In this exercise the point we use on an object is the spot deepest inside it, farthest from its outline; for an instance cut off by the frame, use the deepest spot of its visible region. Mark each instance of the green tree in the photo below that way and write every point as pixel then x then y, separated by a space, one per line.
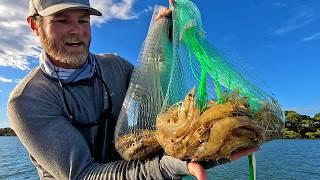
pixel 316 124
pixel 7 132
pixel 292 116
pixel 313 135
pixel 306 126
pixel 293 120
pixel 290 134
pixel 317 116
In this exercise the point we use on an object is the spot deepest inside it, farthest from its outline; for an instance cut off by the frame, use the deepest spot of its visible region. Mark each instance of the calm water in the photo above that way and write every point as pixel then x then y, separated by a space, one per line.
pixel 14 160
pixel 279 159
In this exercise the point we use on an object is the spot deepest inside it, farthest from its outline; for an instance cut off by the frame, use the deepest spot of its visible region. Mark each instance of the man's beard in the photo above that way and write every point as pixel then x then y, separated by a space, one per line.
pixel 58 53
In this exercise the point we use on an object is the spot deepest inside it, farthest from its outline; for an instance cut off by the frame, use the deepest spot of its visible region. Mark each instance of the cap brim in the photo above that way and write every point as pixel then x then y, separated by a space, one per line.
pixel 64 6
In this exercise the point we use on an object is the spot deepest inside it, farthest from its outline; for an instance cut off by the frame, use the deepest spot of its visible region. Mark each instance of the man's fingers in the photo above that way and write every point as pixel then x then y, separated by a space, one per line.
pixel 172 2
pixel 197 170
pixel 163 13
pixel 244 152
pixel 166 11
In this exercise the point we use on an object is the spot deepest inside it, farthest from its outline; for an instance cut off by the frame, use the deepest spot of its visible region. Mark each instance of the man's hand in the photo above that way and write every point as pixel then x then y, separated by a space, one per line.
pixel 166 11
pixel 244 152
pixel 199 172
pixel 163 13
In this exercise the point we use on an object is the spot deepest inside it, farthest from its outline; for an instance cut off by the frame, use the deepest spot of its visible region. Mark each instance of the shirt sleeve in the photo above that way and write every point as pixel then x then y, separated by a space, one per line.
pixel 62 151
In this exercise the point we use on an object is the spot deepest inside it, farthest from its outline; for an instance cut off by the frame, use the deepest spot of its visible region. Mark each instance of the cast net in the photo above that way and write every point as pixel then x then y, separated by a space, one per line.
pixel 190 100
pixel 135 130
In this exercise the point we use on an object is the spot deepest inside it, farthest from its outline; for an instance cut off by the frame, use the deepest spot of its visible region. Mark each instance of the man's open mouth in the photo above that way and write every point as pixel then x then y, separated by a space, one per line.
pixel 73 44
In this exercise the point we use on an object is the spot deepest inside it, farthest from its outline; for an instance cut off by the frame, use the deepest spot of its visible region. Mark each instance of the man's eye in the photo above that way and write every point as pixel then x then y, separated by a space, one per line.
pixel 60 20
pixel 82 21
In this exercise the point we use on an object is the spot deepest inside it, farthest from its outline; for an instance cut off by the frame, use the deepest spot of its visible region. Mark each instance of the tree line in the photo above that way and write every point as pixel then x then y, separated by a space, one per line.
pixel 301 126
pixel 7 132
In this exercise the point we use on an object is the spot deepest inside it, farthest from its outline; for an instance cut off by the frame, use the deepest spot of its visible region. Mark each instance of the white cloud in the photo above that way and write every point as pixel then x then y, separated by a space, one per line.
pixel 278 4
pixel 17 80
pixel 302 16
pixel 18 43
pixel 150 8
pixel 290 27
pixel 111 10
pixel 312 37
pixel 5 80
pixel 228 38
pixel 16 40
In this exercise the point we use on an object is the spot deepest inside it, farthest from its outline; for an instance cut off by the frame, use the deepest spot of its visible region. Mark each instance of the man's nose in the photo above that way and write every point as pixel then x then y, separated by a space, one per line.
pixel 75 27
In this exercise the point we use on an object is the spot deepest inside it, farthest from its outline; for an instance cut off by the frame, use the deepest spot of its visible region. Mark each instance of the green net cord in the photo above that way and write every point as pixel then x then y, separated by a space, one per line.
pixel 252 167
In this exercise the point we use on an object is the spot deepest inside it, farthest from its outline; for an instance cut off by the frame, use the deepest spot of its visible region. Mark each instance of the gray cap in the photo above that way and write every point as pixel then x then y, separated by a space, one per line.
pixel 49 7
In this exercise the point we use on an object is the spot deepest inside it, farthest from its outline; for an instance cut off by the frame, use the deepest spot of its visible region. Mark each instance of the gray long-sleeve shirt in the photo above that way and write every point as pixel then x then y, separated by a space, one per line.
pixel 60 150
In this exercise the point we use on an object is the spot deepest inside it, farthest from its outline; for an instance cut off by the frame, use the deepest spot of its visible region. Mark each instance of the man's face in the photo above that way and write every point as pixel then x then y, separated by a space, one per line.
pixel 66 37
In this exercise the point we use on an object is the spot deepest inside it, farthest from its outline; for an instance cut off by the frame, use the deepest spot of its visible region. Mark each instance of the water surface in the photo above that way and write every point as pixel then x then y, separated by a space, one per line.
pixel 278 159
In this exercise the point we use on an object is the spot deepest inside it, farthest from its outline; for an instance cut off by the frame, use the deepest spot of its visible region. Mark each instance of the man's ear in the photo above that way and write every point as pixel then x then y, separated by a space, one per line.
pixel 33 25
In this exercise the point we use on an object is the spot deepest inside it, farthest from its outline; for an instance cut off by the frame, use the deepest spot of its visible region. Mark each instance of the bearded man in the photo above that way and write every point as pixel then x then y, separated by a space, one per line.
pixel 65 110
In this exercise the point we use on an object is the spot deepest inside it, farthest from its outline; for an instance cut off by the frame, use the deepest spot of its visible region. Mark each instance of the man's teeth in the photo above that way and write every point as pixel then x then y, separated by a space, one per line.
pixel 73 43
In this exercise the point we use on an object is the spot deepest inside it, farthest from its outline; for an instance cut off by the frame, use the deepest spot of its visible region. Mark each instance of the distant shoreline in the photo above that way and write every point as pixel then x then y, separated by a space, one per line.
pixel 7 132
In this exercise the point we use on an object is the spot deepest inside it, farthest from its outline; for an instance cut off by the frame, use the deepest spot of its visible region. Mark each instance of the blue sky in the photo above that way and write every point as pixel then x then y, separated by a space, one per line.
pixel 278 42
